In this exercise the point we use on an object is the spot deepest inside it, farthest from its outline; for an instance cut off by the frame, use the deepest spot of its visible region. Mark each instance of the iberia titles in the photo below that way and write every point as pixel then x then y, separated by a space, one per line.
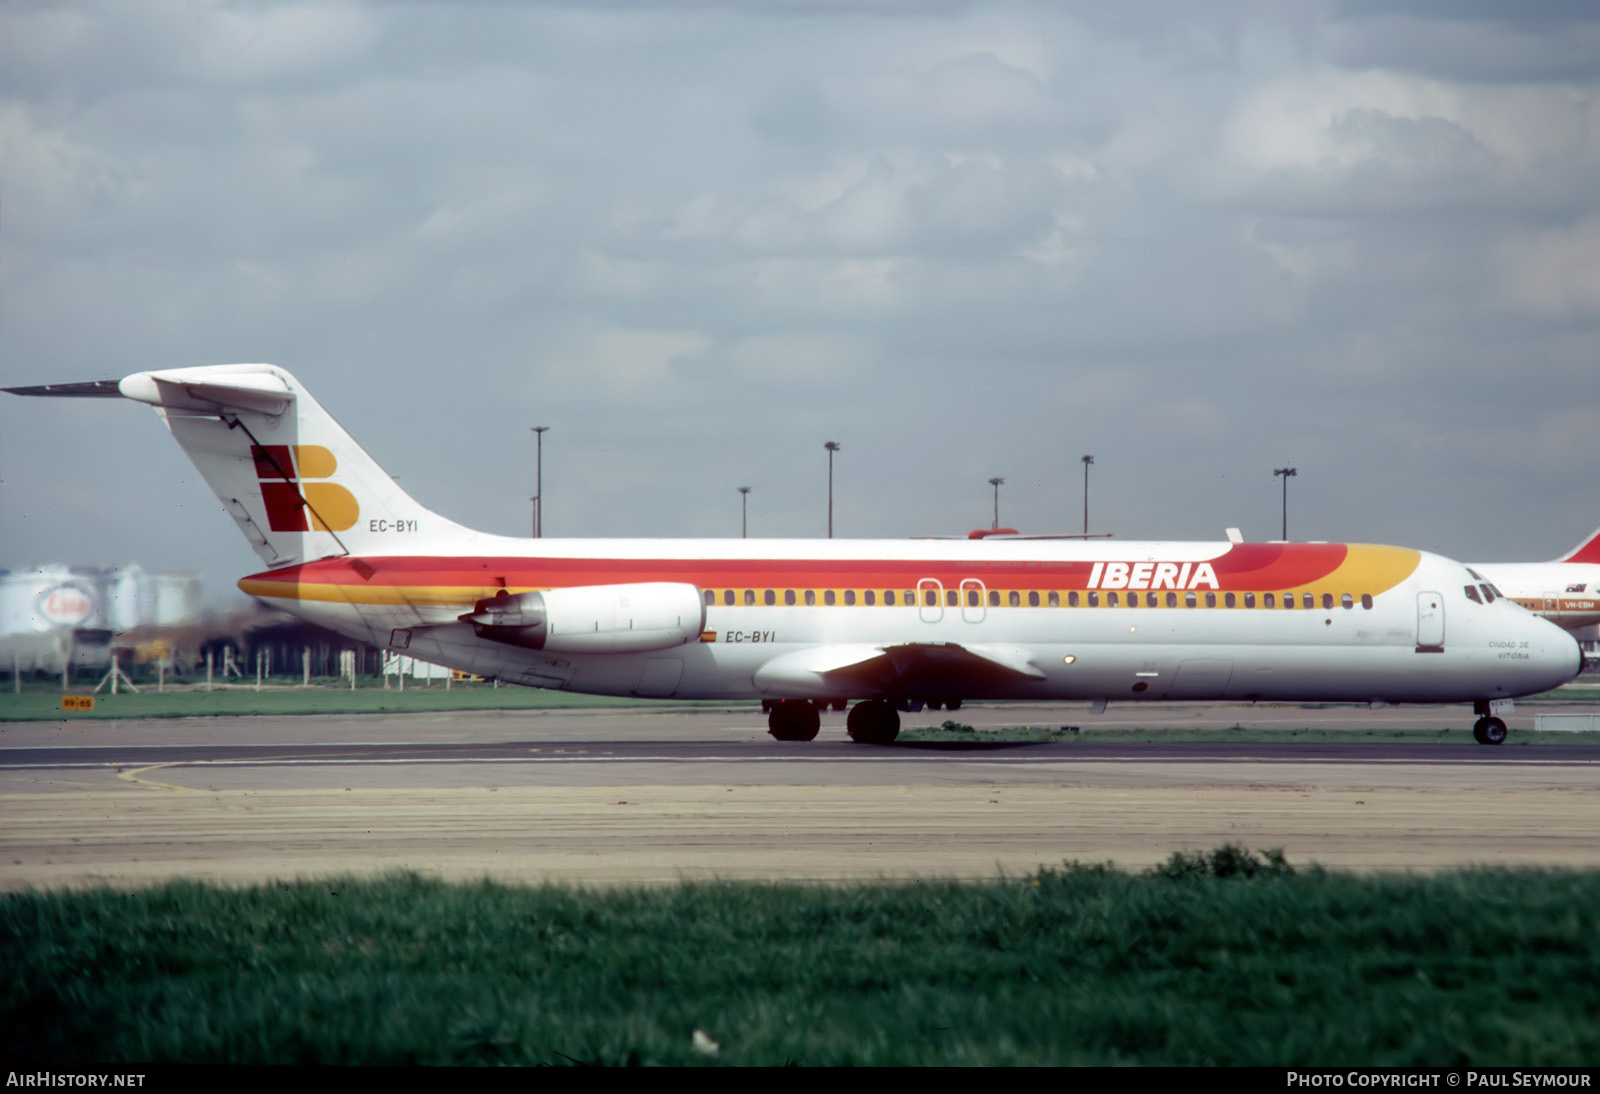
pixel 1152 575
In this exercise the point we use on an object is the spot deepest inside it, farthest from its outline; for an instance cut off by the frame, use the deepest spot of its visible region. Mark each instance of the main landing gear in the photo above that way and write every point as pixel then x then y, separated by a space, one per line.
pixel 794 720
pixel 1489 731
pixel 872 721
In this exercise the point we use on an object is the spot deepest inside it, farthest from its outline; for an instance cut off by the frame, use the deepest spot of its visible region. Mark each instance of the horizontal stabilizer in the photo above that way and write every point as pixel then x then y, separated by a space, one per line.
pixel 255 388
pixel 88 389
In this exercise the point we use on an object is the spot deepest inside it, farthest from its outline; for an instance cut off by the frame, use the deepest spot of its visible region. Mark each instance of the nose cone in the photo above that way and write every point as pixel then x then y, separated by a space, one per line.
pixel 1555 658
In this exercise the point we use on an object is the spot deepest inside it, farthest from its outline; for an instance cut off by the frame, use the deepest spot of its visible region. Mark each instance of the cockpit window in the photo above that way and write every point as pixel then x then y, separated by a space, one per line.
pixel 1472 594
pixel 1476 576
pixel 1488 592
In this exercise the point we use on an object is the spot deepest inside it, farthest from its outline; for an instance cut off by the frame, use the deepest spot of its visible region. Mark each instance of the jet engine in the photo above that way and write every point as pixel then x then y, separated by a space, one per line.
pixel 593 618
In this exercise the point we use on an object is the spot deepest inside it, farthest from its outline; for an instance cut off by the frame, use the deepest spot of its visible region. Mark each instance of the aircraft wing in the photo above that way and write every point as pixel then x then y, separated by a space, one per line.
pixel 910 668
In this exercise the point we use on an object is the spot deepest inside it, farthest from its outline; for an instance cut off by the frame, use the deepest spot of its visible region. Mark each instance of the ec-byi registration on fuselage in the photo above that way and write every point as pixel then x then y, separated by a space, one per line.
pixel 889 625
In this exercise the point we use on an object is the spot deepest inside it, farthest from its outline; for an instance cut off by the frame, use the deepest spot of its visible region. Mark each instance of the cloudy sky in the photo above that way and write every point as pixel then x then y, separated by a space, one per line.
pixel 699 239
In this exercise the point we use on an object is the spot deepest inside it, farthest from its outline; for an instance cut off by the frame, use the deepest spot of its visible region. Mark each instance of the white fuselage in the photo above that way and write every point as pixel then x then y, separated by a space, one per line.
pixel 1415 639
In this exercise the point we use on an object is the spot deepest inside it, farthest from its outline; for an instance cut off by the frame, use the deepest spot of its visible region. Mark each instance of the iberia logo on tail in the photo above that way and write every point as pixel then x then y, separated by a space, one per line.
pixel 295 501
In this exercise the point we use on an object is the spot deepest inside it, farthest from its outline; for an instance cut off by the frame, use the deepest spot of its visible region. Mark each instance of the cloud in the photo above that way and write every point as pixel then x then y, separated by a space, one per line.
pixel 1554 273
pixel 1199 237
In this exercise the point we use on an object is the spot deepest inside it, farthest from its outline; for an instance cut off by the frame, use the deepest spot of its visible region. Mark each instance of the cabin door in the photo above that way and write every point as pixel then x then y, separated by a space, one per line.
pixel 1430 623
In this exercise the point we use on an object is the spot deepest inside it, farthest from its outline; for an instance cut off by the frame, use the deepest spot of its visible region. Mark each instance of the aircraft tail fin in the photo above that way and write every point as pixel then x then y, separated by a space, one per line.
pixel 1587 551
pixel 294 481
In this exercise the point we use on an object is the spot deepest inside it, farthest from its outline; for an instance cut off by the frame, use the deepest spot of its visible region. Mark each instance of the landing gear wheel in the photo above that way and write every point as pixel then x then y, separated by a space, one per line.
pixel 794 720
pixel 873 722
pixel 935 704
pixel 952 704
pixel 1489 731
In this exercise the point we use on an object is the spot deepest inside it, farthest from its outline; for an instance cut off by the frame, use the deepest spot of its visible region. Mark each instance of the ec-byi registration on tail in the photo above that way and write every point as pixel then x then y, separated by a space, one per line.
pixel 807 624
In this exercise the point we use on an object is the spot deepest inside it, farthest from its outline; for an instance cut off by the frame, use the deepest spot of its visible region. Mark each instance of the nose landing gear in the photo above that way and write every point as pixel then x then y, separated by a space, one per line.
pixel 1489 731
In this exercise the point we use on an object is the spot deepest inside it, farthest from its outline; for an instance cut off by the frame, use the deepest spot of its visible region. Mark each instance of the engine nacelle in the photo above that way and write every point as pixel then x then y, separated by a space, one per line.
pixel 655 615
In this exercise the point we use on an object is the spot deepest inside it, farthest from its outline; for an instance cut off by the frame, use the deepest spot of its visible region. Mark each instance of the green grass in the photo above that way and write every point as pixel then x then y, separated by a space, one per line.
pixel 1225 958
pixel 45 705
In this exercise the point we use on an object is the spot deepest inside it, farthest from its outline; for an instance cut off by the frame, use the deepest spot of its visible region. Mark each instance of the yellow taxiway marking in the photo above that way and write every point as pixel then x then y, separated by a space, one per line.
pixel 133 776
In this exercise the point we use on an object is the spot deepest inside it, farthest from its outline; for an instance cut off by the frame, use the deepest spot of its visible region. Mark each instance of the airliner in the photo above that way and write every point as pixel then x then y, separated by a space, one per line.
pixel 891 626
pixel 1565 591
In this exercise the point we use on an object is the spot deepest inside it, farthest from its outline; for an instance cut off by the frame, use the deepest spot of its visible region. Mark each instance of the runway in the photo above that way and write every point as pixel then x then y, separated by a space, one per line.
pixel 646 797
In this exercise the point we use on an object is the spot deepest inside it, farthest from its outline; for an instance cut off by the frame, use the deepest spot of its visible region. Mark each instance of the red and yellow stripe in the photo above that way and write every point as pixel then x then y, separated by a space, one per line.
pixel 422 580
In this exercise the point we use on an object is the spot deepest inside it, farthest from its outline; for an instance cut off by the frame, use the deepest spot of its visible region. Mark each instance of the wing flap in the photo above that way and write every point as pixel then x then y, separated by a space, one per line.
pixel 860 670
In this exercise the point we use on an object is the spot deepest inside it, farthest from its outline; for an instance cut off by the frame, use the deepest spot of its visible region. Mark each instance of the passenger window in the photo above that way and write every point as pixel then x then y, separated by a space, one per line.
pixel 1308 601
pixel 909 599
pixel 972 598
pixel 1190 600
pixel 1150 600
pixel 888 597
pixel 1327 601
pixel 769 597
pixel 1033 599
pixel 1229 602
pixel 1014 599
pixel 1072 599
pixel 811 598
pixel 1054 599
pixel 788 596
pixel 711 599
pixel 750 597
pixel 1094 600
pixel 994 599
pixel 1366 600
pixel 727 596
pixel 850 598
pixel 1288 600
pixel 1249 600
pixel 1111 600
pixel 950 598
pixel 1346 600
pixel 1268 600
pixel 930 598
pixel 871 598
pixel 1211 600
pixel 828 598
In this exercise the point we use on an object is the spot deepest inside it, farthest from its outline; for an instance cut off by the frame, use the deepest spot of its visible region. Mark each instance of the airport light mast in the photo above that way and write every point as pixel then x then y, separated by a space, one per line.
pixel 1087 460
pixel 996 483
pixel 832 447
pixel 744 512
pixel 1285 473
pixel 538 488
